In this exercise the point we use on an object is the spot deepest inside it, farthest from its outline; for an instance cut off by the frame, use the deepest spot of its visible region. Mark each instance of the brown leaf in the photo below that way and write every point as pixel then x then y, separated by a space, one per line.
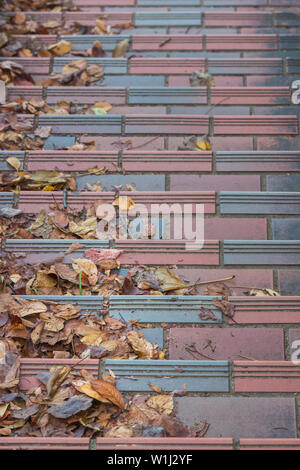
pixel 56 378
pixel 121 48
pixel 61 48
pixel 164 404
pixel 109 392
pixel 87 267
pixel 14 162
pixel 264 293
pixel 143 348
pixel 19 18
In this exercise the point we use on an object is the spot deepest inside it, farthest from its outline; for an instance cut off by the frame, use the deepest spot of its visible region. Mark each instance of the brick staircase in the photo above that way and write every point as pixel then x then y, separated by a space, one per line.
pixel 241 379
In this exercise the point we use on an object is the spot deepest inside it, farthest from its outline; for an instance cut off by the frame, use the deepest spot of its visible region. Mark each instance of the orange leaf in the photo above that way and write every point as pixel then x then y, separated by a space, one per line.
pixel 109 392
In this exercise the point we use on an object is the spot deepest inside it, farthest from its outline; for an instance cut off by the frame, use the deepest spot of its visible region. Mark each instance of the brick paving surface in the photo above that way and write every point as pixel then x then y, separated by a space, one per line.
pixel 241 379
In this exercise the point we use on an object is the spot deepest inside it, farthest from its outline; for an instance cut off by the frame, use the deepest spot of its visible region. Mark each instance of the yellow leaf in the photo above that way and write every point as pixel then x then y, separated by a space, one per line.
pixel 93 339
pixel 48 188
pixel 162 403
pixel 85 387
pixel 124 203
pixel 14 162
pixel 87 267
pixel 61 48
pixel 264 293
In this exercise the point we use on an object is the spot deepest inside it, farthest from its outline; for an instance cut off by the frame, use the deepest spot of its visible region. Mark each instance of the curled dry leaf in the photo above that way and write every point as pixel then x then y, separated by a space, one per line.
pixel 162 403
pixel 108 391
pixel 60 48
pixel 88 268
pixel 264 293
pixel 14 162
pixel 57 377
pixel 121 48
pixel 143 348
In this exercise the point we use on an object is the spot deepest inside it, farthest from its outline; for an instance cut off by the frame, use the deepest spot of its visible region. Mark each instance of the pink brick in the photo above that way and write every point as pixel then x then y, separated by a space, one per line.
pixel 170 443
pixel 218 143
pixel 257 42
pixel 256 125
pixel 178 66
pixel 104 3
pixel 138 110
pixel 278 143
pixel 263 310
pixel 252 18
pixel 167 161
pixel 144 143
pixel 271 376
pixel 157 252
pixel 270 444
pixel 86 95
pixel 32 65
pixel 228 344
pixel 250 278
pixel 220 80
pixel 31 202
pixel 71 161
pixel 215 182
pixel 89 18
pixel 44 443
pixel 169 124
pixel 235 229
pixel 31 367
pixel 267 80
pixel 253 95
pixel 166 42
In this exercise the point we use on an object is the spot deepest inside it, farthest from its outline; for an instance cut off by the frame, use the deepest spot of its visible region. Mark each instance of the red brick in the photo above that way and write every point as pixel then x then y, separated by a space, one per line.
pixel 289 281
pixel 31 367
pixel 235 229
pixel 156 42
pixel 65 160
pixel 86 95
pixel 28 92
pixel 228 344
pixel 220 80
pixel 215 182
pixel 44 443
pixel 167 161
pixel 271 376
pixel 256 125
pixel 278 143
pixel 32 65
pixel 243 277
pixel 263 310
pixel 240 42
pixel 253 417
pixel 269 444
pixel 254 95
pixel 178 66
pixel 170 124
pixel 109 143
pixel 157 252
pixel 89 18
pixel 104 3
pixel 169 443
pixel 136 109
pixel 218 143
pixel 31 202
pixel 255 18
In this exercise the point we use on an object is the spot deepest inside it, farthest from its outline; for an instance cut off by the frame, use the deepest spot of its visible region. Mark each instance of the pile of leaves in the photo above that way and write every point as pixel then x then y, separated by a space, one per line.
pixel 76 73
pixel 96 273
pixel 72 402
pixel 34 328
